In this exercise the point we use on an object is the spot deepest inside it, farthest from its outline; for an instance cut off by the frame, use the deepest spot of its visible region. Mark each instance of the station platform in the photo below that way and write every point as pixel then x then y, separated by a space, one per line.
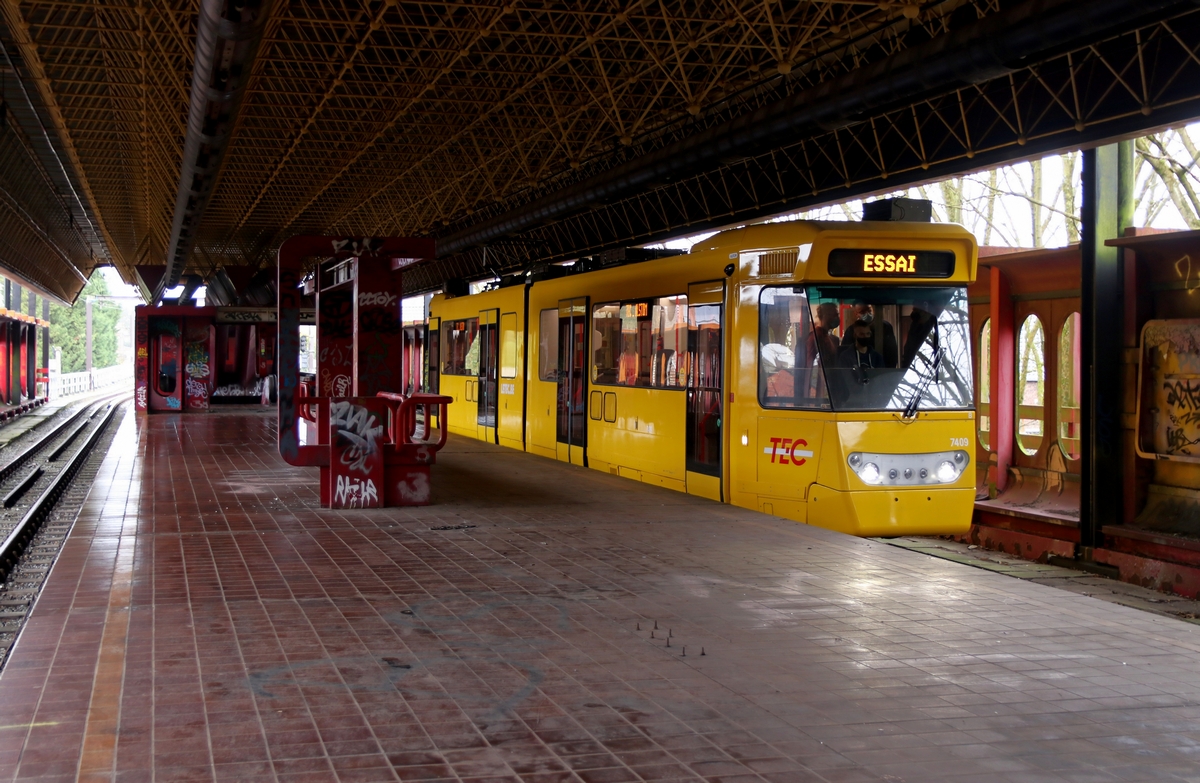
pixel 208 621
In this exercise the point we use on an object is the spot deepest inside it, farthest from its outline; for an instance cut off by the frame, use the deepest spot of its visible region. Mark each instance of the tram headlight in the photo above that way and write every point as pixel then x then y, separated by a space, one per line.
pixel 947 472
pixel 869 473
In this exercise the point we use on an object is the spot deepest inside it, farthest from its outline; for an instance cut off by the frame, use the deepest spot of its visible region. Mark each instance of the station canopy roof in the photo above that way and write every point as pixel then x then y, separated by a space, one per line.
pixel 196 136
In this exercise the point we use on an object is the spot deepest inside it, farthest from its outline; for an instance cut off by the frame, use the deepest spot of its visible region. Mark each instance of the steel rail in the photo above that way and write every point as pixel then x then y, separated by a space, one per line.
pixel 14 464
pixel 15 544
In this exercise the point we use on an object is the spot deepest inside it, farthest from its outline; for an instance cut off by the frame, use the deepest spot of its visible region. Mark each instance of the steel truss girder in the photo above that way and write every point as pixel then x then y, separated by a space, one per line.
pixel 1141 80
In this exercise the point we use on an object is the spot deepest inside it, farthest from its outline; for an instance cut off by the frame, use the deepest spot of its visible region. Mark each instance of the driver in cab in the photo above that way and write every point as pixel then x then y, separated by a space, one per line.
pixel 857 353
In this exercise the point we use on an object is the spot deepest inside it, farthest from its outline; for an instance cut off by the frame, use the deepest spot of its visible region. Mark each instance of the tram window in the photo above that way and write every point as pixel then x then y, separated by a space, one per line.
pixel 460 347
pixel 789 364
pixel 1068 387
pixel 641 343
pixel 1031 385
pixel 548 345
pixel 901 348
pixel 508 345
pixel 985 384
pixel 606 343
pixel 669 358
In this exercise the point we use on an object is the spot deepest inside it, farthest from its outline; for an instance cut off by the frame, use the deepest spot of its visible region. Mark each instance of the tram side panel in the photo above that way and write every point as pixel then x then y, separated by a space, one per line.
pixel 612 356
pixel 481 349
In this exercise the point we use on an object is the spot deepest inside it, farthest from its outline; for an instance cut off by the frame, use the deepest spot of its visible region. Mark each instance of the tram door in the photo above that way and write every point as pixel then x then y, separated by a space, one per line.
pixel 705 411
pixel 431 378
pixel 572 364
pixel 487 388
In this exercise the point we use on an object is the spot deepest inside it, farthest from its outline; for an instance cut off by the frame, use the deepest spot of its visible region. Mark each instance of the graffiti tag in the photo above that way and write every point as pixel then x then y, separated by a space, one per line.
pixel 141 398
pixel 360 428
pixel 357 246
pixel 355 493
pixel 1182 395
pixel 376 299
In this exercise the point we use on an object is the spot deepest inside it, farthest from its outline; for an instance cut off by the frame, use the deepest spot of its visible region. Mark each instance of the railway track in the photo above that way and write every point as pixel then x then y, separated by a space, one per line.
pixel 44 478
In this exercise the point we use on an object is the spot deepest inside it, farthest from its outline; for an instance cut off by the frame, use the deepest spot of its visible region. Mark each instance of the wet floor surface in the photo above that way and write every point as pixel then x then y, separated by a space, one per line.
pixel 208 621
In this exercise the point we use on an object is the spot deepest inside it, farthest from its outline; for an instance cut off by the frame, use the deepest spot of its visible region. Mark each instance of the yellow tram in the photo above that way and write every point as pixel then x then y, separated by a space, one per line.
pixel 817 371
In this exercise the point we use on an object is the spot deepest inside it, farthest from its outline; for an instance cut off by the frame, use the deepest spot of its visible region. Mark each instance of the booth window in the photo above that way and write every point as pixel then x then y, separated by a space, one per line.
pixel 641 343
pixel 1031 385
pixel 460 347
pixel 548 345
pixel 985 384
pixel 1069 388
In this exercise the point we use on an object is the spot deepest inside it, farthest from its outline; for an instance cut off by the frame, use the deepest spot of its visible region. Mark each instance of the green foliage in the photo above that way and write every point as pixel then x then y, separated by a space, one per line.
pixel 68 328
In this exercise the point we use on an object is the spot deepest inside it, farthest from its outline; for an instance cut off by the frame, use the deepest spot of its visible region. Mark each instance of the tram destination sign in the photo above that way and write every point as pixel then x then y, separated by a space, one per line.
pixel 844 262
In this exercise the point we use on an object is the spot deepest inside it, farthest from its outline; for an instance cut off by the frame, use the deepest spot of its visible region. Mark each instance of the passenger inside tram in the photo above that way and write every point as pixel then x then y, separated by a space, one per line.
pixel 884 341
pixel 858 352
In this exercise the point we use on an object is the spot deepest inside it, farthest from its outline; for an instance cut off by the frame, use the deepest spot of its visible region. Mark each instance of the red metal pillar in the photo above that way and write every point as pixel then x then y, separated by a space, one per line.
pixel 5 358
pixel 335 340
pixel 141 371
pixel 378 336
pixel 1003 380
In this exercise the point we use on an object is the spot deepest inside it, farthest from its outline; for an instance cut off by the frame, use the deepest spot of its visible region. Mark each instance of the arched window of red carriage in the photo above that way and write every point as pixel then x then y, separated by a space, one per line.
pixel 1031 385
pixel 985 384
pixel 1069 388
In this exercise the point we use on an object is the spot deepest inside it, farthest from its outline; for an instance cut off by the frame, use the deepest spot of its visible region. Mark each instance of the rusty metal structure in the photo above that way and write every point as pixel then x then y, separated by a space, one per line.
pixel 196 137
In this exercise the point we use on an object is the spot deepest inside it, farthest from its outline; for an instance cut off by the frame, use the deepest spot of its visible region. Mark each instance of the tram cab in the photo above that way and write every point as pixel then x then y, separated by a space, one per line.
pixel 815 371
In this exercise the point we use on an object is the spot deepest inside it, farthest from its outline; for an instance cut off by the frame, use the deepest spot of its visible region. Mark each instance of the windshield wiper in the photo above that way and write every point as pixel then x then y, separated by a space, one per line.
pixel 914 404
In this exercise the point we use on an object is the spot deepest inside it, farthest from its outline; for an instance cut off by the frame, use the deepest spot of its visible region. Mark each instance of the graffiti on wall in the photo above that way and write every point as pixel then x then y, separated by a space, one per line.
pixel 353 492
pixel 358 430
pixel 141 333
pixel 1169 390
pixel 357 460
pixel 196 365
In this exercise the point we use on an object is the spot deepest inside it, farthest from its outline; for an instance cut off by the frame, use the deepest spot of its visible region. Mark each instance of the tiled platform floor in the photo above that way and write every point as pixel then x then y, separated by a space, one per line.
pixel 208 622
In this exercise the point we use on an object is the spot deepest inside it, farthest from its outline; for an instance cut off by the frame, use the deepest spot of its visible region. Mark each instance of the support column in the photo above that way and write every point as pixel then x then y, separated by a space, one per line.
pixel 46 335
pixel 31 352
pixel 378 335
pixel 6 348
pixel 15 345
pixel 1003 382
pixel 1100 403
pixel 87 357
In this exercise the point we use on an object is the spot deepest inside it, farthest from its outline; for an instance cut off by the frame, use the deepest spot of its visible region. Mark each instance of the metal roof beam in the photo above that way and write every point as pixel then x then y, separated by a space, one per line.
pixel 227 40
pixel 976 53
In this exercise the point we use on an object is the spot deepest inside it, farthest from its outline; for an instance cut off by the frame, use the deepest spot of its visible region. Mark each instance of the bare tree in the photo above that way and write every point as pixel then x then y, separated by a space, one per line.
pixel 952 198
pixel 1175 168
pixel 989 214
pixel 1070 207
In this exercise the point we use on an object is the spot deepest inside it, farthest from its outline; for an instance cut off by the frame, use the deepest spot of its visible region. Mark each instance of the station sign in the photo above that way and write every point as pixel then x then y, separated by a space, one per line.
pixel 845 262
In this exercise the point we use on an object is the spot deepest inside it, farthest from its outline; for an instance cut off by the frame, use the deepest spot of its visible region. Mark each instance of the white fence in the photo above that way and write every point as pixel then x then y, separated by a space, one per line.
pixel 68 384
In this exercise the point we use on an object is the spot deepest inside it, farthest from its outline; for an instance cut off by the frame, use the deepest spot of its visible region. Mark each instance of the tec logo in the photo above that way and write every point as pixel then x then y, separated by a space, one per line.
pixel 788 451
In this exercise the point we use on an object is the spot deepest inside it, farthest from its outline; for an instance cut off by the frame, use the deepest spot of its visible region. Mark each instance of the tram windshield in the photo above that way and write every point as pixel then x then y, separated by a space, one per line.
pixel 865 348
